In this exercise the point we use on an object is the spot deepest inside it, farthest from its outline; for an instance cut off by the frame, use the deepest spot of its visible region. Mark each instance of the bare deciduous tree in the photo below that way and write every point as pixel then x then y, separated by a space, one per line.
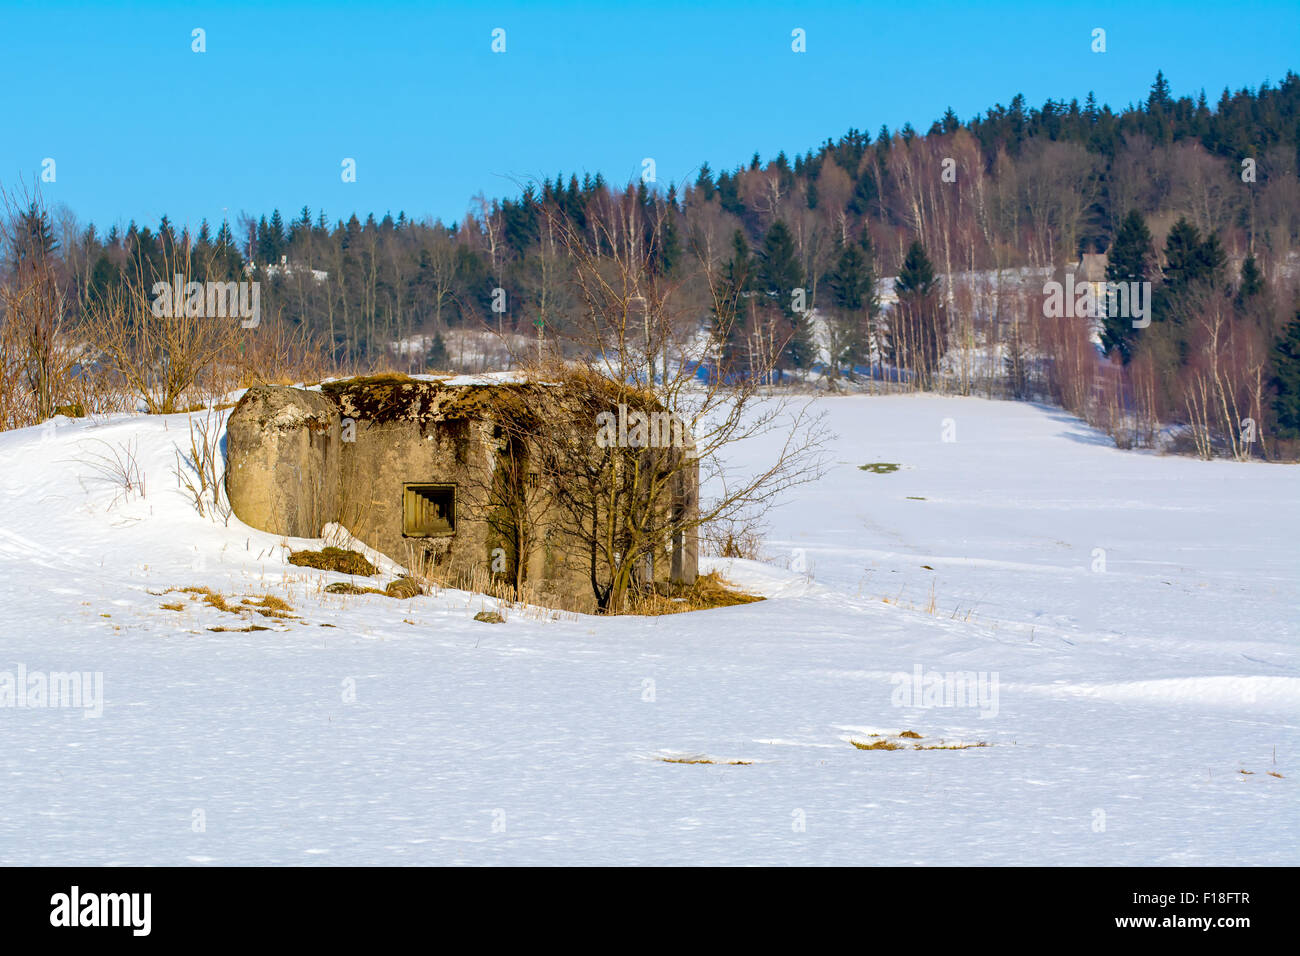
pixel 624 504
pixel 160 359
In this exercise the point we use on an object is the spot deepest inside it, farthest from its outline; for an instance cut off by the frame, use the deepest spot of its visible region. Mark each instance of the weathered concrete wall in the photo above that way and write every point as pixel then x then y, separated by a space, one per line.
pixel 386 456
pixel 282 449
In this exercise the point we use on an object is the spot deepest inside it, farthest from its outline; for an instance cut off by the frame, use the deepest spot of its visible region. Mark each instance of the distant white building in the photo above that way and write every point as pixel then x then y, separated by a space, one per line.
pixel 1091 270
pixel 286 269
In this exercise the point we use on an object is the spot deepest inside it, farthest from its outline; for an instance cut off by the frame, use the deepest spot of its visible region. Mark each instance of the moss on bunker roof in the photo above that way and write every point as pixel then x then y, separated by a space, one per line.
pixel 394 397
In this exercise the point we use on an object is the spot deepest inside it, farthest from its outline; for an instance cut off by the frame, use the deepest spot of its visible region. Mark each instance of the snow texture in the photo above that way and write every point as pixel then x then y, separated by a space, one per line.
pixel 1136 614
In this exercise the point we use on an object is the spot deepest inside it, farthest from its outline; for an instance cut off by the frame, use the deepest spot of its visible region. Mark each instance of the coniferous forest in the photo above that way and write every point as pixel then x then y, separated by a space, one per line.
pixel 894 259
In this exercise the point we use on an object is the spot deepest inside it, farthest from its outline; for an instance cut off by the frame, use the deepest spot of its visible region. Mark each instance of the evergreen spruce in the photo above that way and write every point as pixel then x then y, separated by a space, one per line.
pixel 779 274
pixel 1131 259
pixel 729 306
pixel 919 326
pixel 1183 258
pixel 436 357
pixel 1252 281
pixel 704 183
pixel 1286 380
pixel 855 304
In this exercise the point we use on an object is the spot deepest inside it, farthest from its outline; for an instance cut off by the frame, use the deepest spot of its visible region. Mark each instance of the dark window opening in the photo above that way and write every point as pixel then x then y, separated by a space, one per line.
pixel 428 510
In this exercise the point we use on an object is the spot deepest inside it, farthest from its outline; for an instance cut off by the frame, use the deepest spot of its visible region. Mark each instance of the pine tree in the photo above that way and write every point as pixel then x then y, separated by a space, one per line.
pixel 729 305
pixel 1182 269
pixel 917 273
pixel 265 246
pixel 779 274
pixel 1212 261
pixel 1131 259
pixel 729 194
pixel 166 237
pixel 1252 281
pixel 864 193
pixel 855 304
pixel 276 228
pixel 1183 259
pixel 436 358
pixel 1191 264
pixel 704 183
pixel 1286 380
pixel 1159 98
pixel 105 278
pixel 227 264
pixel 1159 109
pixel 34 236
pixel 918 329
pixel 666 249
pixel 739 270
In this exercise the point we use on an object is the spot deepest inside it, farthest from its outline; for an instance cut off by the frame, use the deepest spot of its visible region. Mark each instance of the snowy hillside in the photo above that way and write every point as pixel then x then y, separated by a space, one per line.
pixel 1131 621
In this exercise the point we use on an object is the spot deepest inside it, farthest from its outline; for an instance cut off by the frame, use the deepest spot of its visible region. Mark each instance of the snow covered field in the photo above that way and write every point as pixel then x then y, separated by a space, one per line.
pixel 1131 619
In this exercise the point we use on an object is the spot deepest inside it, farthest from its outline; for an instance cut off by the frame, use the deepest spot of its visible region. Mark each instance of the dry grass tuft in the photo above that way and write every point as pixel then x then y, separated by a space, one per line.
pixel 266 605
pixel 334 559
pixel 270 606
pixel 729 763
pixel 343 587
pixel 208 596
pixel 887 744
pixel 709 591
pixel 404 588
pixel 270 602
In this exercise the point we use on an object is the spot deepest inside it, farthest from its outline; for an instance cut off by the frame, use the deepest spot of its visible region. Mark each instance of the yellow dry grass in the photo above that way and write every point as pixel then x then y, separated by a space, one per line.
pixel 709 591
pixel 883 743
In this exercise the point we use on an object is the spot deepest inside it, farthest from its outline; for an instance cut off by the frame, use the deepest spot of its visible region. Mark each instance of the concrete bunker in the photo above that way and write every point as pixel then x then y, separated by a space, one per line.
pixel 478 483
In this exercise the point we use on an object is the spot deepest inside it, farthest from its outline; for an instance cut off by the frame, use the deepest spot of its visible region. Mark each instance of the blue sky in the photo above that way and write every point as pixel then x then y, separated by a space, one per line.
pixel 139 125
